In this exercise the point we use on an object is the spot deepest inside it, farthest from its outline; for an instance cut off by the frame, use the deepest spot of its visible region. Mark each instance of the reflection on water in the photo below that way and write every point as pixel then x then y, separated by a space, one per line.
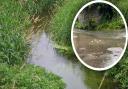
pixel 43 54
pixel 99 49
pixel 75 77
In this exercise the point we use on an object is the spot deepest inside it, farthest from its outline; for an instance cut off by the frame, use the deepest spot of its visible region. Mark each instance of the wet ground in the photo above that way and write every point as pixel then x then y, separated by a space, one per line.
pixel 99 49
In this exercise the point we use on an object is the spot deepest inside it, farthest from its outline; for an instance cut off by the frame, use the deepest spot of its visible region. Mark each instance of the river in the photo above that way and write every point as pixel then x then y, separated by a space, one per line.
pixel 99 48
pixel 73 74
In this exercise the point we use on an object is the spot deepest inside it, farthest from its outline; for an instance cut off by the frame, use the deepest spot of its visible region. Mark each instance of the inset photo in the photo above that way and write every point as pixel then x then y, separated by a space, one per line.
pixel 99 35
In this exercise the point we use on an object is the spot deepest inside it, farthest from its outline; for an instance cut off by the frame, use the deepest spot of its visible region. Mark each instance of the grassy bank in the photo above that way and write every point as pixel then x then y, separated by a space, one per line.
pixel 113 25
pixel 15 21
pixel 28 77
pixel 97 17
pixel 61 28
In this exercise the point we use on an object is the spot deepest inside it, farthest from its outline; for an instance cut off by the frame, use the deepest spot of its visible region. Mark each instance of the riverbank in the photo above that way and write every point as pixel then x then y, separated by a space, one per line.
pixel 16 23
pixel 73 73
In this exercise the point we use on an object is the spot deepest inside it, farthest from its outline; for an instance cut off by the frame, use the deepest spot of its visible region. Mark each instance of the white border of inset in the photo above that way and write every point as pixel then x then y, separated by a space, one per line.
pixel 90 3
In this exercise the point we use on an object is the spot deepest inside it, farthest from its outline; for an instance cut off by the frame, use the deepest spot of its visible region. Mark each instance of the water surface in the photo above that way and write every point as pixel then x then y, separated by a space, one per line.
pixel 76 77
pixel 99 48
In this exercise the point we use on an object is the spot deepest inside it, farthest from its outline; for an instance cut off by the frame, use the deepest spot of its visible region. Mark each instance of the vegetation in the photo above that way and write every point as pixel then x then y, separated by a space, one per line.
pixel 115 24
pixel 61 22
pixel 28 77
pixel 15 21
pixel 123 6
pixel 120 71
pixel 61 28
pixel 108 19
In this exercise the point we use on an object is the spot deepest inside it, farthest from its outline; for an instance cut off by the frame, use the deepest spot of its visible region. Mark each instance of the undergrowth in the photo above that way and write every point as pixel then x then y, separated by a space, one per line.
pixel 15 21
pixel 60 28
pixel 28 77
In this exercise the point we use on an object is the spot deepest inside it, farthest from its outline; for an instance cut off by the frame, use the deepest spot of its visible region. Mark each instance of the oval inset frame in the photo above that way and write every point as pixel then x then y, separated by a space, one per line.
pixel 110 66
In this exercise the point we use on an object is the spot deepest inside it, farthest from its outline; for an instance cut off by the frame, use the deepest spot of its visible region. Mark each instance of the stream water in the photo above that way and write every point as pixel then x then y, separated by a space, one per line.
pixel 99 48
pixel 74 75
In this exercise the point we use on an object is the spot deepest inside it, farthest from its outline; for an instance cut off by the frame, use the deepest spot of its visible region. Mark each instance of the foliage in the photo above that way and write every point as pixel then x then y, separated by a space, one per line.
pixel 62 21
pixel 61 28
pixel 14 20
pixel 37 6
pixel 91 25
pixel 109 20
pixel 14 23
pixel 28 77
pixel 115 24
pixel 123 6
pixel 80 26
pixel 120 71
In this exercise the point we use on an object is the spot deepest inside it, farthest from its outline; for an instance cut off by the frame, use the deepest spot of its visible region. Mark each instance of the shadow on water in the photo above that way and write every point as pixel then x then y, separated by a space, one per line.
pixel 74 75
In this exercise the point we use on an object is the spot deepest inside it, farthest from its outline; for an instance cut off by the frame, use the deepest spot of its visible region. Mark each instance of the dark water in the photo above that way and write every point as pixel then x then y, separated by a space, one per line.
pixel 75 76
pixel 99 49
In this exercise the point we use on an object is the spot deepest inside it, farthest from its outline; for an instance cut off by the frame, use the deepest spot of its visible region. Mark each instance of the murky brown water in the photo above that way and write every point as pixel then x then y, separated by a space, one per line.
pixel 99 49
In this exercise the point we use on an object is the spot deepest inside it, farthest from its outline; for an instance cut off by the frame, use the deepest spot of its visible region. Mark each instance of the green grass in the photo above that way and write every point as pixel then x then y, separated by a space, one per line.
pixel 15 21
pixel 62 21
pixel 115 24
pixel 60 27
pixel 39 6
pixel 120 71
pixel 28 77
pixel 123 6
